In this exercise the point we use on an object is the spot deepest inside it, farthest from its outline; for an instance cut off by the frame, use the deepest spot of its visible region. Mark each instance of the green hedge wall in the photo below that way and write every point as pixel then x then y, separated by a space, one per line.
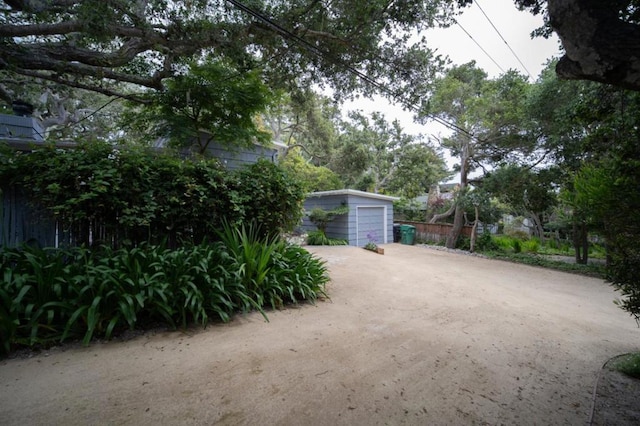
pixel 122 196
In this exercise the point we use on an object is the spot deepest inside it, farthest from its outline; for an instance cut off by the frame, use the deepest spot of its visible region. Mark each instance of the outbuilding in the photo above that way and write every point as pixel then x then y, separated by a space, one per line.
pixel 370 216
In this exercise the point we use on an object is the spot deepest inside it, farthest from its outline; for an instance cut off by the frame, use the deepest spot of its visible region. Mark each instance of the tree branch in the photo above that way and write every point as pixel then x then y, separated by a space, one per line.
pixel 599 45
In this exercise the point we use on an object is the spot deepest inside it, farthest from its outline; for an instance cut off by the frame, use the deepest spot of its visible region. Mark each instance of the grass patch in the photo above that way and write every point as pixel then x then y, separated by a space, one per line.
pixel 628 364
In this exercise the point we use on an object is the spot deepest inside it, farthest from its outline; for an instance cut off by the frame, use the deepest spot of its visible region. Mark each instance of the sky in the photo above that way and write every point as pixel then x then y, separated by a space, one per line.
pixel 514 26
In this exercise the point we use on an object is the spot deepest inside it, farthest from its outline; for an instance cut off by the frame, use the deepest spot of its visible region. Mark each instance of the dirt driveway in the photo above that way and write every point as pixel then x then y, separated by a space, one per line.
pixel 415 336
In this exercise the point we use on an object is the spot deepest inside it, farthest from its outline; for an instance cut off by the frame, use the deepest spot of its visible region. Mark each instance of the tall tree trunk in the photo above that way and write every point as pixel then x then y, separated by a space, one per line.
pixel 458 222
pixel 584 234
pixel 472 244
pixel 458 218
pixel 580 242
pixel 537 223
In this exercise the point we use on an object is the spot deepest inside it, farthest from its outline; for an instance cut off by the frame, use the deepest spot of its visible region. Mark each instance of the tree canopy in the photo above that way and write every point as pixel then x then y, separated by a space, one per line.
pixel 116 47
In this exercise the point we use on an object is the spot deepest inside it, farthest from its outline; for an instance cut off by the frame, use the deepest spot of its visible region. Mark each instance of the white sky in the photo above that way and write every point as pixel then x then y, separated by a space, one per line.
pixel 515 27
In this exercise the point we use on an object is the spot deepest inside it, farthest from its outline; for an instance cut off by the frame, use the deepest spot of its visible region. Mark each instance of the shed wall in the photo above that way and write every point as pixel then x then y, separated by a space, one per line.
pixel 347 226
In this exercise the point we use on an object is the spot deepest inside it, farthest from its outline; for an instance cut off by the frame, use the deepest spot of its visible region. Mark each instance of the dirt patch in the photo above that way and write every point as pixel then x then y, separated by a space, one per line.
pixel 414 336
pixel 616 398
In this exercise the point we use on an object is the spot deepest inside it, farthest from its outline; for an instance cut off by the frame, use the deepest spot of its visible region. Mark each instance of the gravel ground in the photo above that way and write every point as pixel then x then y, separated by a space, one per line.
pixel 414 336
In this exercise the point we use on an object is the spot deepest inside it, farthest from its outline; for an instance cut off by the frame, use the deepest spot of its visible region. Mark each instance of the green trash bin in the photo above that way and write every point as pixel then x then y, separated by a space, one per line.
pixel 407 234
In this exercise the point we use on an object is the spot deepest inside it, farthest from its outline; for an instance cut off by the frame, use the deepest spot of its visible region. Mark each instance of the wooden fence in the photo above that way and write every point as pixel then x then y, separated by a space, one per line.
pixel 20 223
pixel 434 232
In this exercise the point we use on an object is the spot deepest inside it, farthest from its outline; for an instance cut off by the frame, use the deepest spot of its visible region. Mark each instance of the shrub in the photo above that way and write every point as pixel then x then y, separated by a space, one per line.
pixel 485 242
pixel 516 245
pixel 503 242
pixel 318 238
pixel 531 246
pixel 114 196
pixel 270 197
pixel 463 243
pixel 628 364
pixel 49 296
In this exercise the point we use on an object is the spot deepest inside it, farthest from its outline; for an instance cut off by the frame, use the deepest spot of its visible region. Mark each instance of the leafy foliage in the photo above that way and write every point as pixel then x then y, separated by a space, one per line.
pixel 321 218
pixel 49 296
pixel 212 101
pixel 319 238
pixel 119 46
pixel 313 178
pixel 628 364
pixel 115 196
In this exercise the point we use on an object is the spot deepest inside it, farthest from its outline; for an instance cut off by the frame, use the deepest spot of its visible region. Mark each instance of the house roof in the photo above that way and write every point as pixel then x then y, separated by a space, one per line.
pixel 352 192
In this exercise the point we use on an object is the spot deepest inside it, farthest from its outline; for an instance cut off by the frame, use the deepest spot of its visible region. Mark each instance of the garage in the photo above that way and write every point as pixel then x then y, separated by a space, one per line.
pixel 370 215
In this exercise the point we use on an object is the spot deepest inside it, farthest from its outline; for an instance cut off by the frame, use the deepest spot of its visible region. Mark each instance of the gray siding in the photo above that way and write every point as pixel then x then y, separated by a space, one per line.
pixel 13 126
pixel 236 157
pixel 337 228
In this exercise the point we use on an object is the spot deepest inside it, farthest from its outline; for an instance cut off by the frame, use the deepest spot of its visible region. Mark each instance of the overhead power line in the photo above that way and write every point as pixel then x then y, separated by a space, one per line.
pixel 481 48
pixel 505 41
pixel 285 33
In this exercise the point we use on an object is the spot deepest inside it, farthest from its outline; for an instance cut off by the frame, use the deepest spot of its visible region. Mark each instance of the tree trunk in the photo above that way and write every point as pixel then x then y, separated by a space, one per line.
pixel 537 223
pixel 458 218
pixel 472 245
pixel 580 242
pixel 584 234
pixel 449 212
pixel 458 222
pixel 599 44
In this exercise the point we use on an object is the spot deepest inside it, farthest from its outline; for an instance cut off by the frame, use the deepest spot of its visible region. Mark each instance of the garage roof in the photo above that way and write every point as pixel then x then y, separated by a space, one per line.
pixel 353 192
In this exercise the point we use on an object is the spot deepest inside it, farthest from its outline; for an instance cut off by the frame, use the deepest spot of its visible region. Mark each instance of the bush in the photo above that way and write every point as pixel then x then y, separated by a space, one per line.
pixel 485 242
pixel 531 246
pixel 516 245
pixel 463 243
pixel 318 238
pixel 49 296
pixel 628 364
pixel 114 196
pixel 270 197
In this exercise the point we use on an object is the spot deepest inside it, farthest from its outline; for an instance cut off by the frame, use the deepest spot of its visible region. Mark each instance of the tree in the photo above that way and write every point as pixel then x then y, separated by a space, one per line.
pixel 487 115
pixel 600 39
pixel 528 192
pixel 117 47
pixel 210 102
pixel 384 158
pixel 313 178
pixel 306 120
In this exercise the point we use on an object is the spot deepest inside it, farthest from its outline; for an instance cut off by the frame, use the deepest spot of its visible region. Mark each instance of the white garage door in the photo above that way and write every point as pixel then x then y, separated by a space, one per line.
pixel 371 222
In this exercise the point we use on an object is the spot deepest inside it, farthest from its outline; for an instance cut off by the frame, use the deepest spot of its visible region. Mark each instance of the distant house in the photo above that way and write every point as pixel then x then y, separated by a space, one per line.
pixel 20 130
pixel 231 156
pixel 234 157
pixel 25 132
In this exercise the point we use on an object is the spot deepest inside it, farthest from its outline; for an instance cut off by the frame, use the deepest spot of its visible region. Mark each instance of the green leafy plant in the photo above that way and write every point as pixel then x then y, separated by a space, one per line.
pixel 318 238
pixel 321 218
pixel 628 364
pixel 531 246
pixel 102 195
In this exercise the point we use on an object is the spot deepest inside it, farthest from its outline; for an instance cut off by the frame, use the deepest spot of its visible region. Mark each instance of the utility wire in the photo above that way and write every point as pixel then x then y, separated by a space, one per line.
pixel 326 55
pixel 505 41
pixel 478 44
